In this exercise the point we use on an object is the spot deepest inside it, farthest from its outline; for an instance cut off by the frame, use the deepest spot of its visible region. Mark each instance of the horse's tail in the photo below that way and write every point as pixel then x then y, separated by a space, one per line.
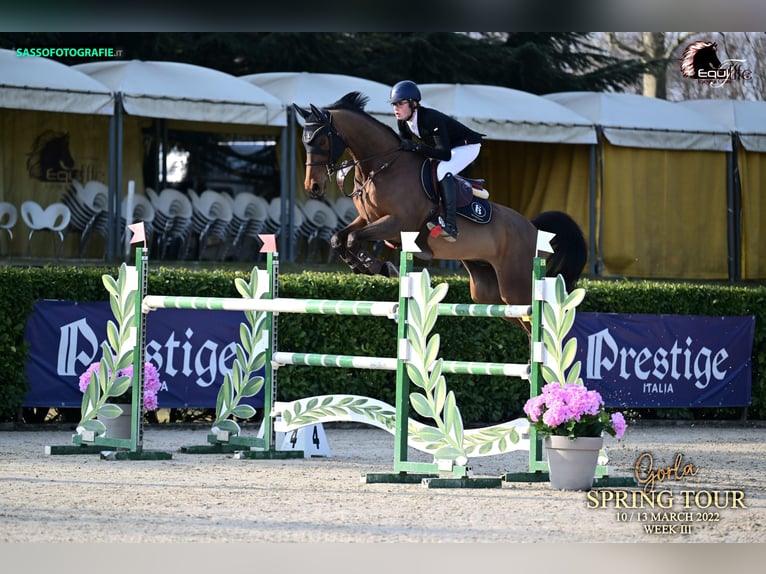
pixel 570 250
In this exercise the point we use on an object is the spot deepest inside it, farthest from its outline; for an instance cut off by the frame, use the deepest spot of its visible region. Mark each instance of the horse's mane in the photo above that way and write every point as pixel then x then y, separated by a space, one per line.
pixel 355 102
pixel 688 67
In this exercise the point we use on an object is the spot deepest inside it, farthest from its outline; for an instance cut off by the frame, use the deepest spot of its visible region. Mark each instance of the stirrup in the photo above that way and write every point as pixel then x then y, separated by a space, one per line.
pixel 443 230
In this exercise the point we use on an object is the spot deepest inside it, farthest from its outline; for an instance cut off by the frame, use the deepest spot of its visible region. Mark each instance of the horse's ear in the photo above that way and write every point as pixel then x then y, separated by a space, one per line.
pixel 318 113
pixel 302 111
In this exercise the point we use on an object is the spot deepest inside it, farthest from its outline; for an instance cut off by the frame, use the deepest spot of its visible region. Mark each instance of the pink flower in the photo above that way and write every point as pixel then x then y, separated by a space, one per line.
pixel 85 377
pixel 619 424
pixel 572 410
pixel 152 383
pixel 534 407
pixel 150 401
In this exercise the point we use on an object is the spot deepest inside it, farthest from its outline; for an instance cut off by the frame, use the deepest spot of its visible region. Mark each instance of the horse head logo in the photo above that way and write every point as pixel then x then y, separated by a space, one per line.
pixel 50 158
pixel 699 56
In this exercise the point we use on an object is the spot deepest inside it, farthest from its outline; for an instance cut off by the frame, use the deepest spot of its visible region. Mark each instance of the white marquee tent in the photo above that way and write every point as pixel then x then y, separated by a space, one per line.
pixel 29 83
pixel 304 88
pixel 746 118
pixel 42 101
pixel 178 91
pixel 662 185
pixel 633 120
pixel 506 114
pixel 173 90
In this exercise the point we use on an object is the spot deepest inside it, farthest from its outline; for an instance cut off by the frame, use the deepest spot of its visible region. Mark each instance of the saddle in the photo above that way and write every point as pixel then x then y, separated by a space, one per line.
pixel 471 201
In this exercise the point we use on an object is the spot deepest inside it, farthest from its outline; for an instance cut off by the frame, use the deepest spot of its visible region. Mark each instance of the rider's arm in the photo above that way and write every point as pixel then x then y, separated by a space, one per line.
pixel 438 133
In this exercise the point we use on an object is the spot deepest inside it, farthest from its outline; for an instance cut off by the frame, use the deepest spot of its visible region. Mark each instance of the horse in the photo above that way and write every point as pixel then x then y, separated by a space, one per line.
pixel 389 198
pixel 699 56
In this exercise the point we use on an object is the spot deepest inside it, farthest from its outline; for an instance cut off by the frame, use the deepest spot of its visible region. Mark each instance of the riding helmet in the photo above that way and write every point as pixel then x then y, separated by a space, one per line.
pixel 404 90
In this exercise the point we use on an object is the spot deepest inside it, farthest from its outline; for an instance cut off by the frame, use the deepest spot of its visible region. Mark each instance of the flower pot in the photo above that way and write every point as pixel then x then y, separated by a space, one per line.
pixel 118 427
pixel 572 463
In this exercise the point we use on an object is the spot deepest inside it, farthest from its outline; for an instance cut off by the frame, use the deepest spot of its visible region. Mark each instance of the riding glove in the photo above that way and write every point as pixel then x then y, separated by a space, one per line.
pixel 409 145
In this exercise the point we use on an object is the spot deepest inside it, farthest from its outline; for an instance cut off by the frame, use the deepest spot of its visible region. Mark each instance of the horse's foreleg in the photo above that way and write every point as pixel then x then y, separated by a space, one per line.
pixel 358 261
pixel 386 227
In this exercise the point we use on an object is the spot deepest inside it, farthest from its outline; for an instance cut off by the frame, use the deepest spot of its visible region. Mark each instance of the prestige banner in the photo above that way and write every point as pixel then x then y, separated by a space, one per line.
pixel 666 360
pixel 632 360
pixel 192 350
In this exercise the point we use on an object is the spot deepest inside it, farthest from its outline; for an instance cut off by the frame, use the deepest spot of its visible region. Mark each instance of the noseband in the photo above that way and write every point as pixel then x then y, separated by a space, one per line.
pixel 336 144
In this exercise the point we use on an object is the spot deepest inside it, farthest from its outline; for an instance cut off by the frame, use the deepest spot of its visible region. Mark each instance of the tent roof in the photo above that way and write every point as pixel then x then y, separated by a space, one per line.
pixel 505 114
pixel 32 83
pixel 632 120
pixel 174 90
pixel 746 117
pixel 304 88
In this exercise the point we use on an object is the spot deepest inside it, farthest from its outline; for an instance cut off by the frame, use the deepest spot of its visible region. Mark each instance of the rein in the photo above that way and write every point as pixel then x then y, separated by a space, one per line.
pixel 341 170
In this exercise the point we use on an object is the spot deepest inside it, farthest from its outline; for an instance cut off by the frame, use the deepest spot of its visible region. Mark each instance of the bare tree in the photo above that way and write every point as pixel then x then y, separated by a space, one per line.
pixel 661 52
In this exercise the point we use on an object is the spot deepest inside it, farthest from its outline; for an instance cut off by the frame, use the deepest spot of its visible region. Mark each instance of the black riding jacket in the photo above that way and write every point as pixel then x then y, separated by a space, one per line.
pixel 439 132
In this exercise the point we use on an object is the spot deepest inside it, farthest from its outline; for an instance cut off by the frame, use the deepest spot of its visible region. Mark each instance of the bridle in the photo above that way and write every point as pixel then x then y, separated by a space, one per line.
pixel 336 146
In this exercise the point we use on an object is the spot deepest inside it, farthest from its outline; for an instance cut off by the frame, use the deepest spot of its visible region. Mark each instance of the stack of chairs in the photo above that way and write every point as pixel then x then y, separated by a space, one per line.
pixel 88 205
pixel 249 215
pixel 211 218
pixel 319 225
pixel 345 210
pixel 143 210
pixel 172 219
pixel 274 219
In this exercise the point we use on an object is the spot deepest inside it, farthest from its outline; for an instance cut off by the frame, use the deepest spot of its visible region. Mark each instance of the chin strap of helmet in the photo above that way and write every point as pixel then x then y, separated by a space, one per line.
pixel 412 109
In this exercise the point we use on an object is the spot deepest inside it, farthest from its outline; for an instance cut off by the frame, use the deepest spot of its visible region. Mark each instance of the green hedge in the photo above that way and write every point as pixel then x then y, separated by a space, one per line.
pixel 481 399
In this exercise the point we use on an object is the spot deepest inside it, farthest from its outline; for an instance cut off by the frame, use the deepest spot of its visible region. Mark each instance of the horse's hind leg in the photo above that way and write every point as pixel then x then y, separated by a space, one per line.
pixel 487 287
pixel 483 281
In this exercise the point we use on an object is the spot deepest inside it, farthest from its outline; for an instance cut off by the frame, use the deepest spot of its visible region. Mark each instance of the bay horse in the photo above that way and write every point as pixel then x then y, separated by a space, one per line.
pixel 390 198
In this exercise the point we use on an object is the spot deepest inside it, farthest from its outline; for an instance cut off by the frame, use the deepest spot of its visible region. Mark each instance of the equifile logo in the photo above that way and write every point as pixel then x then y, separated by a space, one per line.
pixel 700 61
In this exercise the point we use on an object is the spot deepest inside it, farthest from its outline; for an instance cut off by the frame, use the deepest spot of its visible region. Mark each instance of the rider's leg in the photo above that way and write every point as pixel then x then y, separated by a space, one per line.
pixel 461 157
pixel 449 194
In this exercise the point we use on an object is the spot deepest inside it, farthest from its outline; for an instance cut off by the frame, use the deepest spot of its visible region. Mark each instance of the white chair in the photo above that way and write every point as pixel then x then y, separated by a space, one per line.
pixel 54 218
pixel 8 217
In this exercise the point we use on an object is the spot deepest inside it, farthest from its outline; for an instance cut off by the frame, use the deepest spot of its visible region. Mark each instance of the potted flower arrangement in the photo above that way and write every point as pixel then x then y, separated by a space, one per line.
pixel 571 419
pixel 152 386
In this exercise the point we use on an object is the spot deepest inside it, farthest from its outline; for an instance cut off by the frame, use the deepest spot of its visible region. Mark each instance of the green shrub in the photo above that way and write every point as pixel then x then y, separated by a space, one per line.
pixel 481 399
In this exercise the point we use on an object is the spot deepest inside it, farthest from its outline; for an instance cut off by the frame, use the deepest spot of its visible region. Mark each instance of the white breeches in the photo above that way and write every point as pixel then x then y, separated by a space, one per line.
pixel 462 156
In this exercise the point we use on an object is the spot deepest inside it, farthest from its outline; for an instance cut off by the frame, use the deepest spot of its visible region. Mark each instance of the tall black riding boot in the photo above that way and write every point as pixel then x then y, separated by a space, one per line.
pixel 449 194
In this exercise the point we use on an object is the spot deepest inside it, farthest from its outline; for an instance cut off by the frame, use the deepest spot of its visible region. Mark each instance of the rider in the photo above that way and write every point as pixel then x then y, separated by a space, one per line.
pixel 444 138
